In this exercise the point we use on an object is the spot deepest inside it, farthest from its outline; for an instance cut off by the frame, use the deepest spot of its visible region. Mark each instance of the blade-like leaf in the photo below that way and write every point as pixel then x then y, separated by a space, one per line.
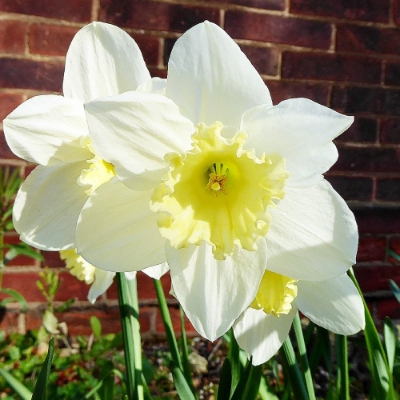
pixel 247 387
pixel 22 391
pixel 20 249
pixel 225 381
pixel 395 289
pixel 40 392
pixel 64 306
pixel 96 326
pixel 389 334
pixel 182 387
pixel 14 296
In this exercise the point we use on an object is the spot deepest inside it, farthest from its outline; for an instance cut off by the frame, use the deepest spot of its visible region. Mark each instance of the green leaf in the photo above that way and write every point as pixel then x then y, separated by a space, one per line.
pixel 225 382
pixel 395 289
pixel 64 306
pixel 382 379
pixel 14 296
pixel 20 249
pixel 393 254
pixel 22 391
pixel 249 383
pixel 185 352
pixel 181 385
pixel 50 322
pixel 389 335
pixel 107 389
pixel 234 358
pixel 96 326
pixel 40 392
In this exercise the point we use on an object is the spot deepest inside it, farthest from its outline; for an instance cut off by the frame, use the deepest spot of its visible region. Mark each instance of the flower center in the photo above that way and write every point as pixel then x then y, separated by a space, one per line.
pixel 99 171
pixel 78 266
pixel 218 178
pixel 190 206
pixel 275 294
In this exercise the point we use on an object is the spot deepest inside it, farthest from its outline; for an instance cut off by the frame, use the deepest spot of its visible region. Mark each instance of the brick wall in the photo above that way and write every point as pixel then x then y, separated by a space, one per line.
pixel 340 53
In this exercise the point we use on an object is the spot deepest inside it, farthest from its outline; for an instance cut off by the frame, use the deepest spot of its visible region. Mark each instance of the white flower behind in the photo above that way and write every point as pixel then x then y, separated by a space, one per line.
pixel 234 184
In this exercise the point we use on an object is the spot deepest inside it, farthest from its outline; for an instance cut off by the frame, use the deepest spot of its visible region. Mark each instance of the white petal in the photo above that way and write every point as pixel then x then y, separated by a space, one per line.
pixel 211 79
pixel 313 234
pixel 47 206
pixel 130 275
pixel 261 335
pixel 214 293
pixel 154 85
pixel 301 131
pixel 102 281
pixel 334 304
pixel 157 271
pixel 47 130
pixel 117 231
pixel 102 61
pixel 134 131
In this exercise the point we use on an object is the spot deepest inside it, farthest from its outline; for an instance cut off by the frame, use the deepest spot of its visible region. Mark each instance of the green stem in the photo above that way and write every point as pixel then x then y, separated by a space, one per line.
pixel 303 356
pixel 342 383
pixel 293 371
pixel 128 315
pixel 169 328
pixel 1 258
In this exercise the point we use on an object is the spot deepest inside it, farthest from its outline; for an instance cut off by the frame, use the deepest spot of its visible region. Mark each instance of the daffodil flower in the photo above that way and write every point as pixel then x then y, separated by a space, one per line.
pixel 333 304
pixel 99 279
pixel 51 130
pixel 233 183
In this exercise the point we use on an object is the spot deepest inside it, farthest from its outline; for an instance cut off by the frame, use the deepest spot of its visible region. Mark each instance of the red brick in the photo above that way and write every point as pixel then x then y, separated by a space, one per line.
pixel 396 11
pixel 50 40
pixel 351 188
pixel 277 29
pixel 176 321
pixel 282 90
pixel 156 16
pixel 147 319
pixel 388 189
pixel 5 152
pixel 29 74
pixel 13 238
pixel 394 245
pixel 25 283
pixel 367 39
pixel 150 48
pixel 371 248
pixel 330 67
pixel 389 131
pixel 377 220
pixel 8 102
pixel 12 36
pixel 78 321
pixel 362 130
pixel 71 287
pixel 388 308
pixel 264 59
pixel 71 10
pixel 367 159
pixel 158 72
pixel 392 74
pixel 366 10
pixel 52 259
pixel 376 278
pixel 277 5
pixel 353 100
pixel 145 287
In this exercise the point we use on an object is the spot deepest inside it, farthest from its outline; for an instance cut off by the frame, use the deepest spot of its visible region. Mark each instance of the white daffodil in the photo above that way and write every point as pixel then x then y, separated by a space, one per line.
pixel 233 183
pixel 99 279
pixel 334 304
pixel 51 131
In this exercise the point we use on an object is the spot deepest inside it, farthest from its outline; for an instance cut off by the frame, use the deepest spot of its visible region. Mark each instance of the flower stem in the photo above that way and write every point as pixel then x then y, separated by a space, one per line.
pixel 298 331
pixel 169 328
pixel 129 307
pixel 293 371
pixel 342 383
